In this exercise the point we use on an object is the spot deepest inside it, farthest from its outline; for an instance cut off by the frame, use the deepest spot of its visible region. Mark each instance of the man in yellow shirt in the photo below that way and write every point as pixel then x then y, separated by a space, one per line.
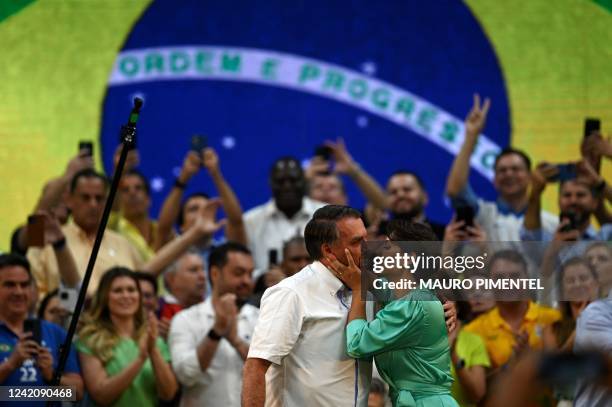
pixel 88 191
pixel 511 326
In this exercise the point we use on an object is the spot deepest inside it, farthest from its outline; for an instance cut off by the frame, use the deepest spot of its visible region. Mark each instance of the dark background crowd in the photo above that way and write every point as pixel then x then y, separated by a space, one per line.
pixel 162 283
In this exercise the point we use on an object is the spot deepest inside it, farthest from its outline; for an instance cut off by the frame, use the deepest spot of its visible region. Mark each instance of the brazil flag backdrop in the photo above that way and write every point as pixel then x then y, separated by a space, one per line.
pixel 269 78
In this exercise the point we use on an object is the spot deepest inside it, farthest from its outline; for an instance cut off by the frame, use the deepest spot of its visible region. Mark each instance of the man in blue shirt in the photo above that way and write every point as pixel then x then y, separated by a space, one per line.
pixel 24 362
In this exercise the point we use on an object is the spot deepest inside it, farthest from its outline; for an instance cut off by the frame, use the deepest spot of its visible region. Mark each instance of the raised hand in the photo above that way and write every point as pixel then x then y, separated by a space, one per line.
pixel 191 165
pixel 210 160
pixel 476 233
pixel 25 349
pixel 316 166
pixel 594 147
pixel 44 360
pixel 477 117
pixel 206 224
pixel 82 161
pixel 53 229
pixel 540 176
pixel 587 174
pixel 454 231
pixel 226 312
pixel 563 235
pixel 344 162
pixel 132 159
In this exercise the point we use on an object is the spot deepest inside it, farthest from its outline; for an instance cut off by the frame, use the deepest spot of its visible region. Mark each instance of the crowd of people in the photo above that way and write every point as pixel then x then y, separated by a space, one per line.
pixel 259 307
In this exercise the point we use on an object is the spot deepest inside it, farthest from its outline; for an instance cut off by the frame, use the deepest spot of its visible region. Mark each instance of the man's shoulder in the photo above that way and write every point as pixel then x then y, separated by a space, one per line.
pixel 114 236
pixel 296 285
pixel 484 204
pixel 50 330
pixel 250 311
pixel 51 326
pixel 258 211
pixel 550 221
pixel 311 206
pixel 547 315
pixel 299 280
pixel 469 339
pixel 193 313
pixel 482 323
pixel 601 309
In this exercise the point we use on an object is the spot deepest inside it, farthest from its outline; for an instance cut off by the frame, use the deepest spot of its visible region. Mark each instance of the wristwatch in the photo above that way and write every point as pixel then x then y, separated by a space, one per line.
pixel 460 364
pixel 180 185
pixel 214 336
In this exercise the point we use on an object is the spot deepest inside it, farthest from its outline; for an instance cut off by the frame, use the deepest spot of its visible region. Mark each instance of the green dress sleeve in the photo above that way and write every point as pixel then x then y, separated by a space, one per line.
pixel 82 348
pixel 395 326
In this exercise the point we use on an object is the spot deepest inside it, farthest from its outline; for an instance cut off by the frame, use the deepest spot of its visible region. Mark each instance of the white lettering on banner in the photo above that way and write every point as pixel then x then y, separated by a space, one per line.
pixel 271 68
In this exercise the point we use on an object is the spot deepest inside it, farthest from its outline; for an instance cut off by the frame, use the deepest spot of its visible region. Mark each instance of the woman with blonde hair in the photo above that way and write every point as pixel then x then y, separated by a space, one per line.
pixel 123 360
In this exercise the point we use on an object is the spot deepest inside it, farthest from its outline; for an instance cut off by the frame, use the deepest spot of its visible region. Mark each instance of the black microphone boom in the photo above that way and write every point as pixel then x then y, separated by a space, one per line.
pixel 128 138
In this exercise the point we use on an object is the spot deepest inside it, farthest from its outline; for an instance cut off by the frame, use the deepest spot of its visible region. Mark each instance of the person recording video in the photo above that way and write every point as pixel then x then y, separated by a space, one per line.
pixel 29 348
pixel 578 201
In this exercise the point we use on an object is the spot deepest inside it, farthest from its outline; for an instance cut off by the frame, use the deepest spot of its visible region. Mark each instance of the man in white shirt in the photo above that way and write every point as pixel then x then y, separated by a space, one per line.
pixel 298 352
pixel 594 332
pixel 502 219
pixel 271 224
pixel 209 341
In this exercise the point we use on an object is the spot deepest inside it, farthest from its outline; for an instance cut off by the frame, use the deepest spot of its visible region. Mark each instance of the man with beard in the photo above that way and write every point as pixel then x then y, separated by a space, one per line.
pixel 407 199
pixel 269 225
pixel 501 219
pixel 578 200
pixel 210 341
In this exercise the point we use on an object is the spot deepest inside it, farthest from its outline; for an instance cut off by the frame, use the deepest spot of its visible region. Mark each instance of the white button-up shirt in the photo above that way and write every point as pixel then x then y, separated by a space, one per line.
pixel 268 228
pixel 301 330
pixel 594 331
pixel 503 226
pixel 221 383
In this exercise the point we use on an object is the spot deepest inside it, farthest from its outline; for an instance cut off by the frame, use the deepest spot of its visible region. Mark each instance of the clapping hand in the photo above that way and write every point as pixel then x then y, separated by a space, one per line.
pixel 226 313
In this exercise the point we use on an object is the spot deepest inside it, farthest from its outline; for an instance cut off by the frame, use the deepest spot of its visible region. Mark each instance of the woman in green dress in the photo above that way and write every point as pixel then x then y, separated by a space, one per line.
pixel 408 338
pixel 123 360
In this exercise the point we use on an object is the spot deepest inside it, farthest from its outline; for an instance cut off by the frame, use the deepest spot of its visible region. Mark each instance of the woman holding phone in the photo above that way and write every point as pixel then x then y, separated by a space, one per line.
pixel 123 360
pixel 408 337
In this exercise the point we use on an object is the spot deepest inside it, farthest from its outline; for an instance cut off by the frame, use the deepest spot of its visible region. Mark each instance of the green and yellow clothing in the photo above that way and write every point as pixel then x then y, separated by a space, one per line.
pixel 499 337
pixel 471 349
